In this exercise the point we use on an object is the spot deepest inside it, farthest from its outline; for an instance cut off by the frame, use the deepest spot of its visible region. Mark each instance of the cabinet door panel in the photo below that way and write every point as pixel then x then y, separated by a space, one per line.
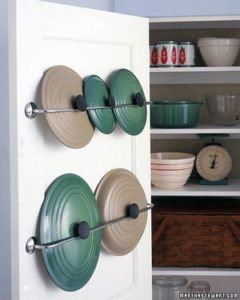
pixel 90 42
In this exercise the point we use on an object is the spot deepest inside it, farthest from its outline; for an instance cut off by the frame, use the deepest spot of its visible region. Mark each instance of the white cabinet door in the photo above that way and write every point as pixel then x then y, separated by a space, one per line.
pixel 90 42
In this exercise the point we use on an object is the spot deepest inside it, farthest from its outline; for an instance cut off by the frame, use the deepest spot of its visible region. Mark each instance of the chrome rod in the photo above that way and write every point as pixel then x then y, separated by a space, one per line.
pixel 112 222
pixel 84 230
pixel 55 110
pixel 31 109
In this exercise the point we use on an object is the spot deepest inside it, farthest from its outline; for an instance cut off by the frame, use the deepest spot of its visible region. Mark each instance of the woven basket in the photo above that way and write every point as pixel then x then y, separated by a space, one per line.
pixel 190 240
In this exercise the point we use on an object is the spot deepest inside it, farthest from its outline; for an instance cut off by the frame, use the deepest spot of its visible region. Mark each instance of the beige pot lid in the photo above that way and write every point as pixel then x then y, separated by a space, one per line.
pixel 60 86
pixel 116 190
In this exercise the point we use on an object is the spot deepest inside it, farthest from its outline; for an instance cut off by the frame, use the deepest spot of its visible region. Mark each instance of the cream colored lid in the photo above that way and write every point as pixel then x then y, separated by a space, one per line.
pixel 118 189
pixel 60 86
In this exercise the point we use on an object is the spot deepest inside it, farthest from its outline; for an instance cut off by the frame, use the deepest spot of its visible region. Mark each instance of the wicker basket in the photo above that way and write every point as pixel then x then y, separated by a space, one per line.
pixel 190 240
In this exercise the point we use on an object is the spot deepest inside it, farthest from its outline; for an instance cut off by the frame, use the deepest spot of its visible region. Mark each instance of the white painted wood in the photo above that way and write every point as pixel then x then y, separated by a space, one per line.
pixel 41 35
pixel 200 271
pixel 195 75
pixel 192 133
pixel 194 189
pixel 194 22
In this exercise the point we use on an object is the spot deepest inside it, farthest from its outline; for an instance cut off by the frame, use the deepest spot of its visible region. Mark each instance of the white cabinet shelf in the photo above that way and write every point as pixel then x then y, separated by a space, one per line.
pixel 195 189
pixel 196 22
pixel 191 133
pixel 192 271
pixel 195 75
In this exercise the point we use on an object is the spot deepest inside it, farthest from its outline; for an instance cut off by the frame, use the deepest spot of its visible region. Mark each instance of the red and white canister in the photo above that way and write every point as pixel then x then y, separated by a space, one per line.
pixel 167 53
pixel 153 53
pixel 186 54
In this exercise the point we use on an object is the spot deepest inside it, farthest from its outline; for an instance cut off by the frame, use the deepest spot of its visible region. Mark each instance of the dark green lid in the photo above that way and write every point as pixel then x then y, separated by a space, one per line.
pixel 69 201
pixel 124 87
pixel 96 94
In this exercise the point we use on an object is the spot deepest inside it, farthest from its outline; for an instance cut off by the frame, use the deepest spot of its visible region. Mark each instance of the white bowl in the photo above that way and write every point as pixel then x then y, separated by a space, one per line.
pixel 171 172
pixel 211 41
pixel 174 167
pixel 169 158
pixel 219 51
pixel 169 184
pixel 177 178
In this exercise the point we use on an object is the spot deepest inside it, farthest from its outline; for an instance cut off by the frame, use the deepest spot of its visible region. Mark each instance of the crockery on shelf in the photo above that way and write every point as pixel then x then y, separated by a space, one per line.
pixel 224 109
pixel 167 53
pixel 175 114
pixel 218 52
pixel 171 170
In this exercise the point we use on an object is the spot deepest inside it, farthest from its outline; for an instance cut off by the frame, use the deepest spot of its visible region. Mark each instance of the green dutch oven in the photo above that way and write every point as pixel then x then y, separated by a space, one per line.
pixel 175 114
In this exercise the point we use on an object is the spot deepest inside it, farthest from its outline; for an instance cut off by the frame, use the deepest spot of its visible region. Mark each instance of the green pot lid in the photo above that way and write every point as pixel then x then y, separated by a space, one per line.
pixel 118 189
pixel 124 87
pixel 69 201
pixel 96 94
pixel 60 85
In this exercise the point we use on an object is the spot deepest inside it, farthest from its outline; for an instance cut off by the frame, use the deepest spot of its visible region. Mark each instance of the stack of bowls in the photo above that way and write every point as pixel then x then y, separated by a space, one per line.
pixel 171 170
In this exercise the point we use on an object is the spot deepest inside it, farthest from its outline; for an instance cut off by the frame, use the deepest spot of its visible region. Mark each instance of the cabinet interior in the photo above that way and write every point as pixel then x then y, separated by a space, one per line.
pixel 168 85
pixel 193 35
pixel 191 31
pixel 195 92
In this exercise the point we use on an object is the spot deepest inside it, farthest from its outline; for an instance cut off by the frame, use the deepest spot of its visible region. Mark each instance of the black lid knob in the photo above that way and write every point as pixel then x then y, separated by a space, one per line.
pixel 133 211
pixel 111 101
pixel 80 103
pixel 83 230
pixel 139 99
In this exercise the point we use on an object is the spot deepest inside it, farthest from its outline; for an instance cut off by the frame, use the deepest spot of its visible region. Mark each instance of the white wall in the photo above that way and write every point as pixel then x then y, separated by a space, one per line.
pixel 178 7
pixel 95 4
pixel 5 248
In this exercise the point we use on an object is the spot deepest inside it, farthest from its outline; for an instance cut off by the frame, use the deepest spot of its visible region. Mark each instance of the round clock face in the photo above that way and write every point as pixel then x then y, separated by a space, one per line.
pixel 213 163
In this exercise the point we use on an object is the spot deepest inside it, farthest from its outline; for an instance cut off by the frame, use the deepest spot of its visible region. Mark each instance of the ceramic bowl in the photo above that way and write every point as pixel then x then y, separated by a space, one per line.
pixel 172 158
pixel 168 184
pixel 219 51
pixel 174 167
pixel 173 178
pixel 180 167
pixel 171 173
